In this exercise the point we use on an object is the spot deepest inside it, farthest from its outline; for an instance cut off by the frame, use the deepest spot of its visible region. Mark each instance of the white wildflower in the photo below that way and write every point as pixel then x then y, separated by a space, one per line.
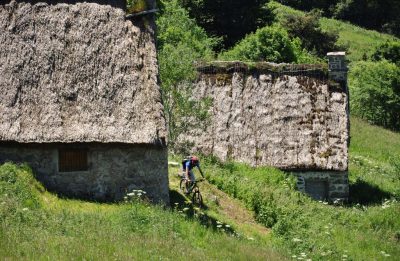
pixel 25 209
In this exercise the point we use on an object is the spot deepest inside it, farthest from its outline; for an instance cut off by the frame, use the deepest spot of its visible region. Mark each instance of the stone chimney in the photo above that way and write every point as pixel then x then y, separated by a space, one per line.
pixel 337 66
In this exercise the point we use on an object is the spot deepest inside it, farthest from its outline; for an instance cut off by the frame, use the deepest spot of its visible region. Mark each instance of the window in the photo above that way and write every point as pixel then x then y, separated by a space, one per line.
pixel 72 160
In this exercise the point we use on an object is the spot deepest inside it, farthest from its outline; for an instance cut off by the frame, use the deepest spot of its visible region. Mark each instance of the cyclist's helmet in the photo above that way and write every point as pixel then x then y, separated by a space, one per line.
pixel 195 160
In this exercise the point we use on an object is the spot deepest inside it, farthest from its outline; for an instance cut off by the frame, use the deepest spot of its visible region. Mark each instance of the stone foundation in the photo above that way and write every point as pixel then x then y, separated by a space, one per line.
pixel 113 170
pixel 324 185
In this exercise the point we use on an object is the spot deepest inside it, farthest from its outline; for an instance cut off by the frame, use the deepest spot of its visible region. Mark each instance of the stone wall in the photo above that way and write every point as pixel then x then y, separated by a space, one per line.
pixel 114 169
pixel 323 185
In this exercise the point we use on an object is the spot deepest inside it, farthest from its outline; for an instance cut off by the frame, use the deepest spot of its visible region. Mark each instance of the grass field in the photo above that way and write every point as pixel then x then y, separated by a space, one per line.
pixel 36 225
pixel 368 228
pixel 359 41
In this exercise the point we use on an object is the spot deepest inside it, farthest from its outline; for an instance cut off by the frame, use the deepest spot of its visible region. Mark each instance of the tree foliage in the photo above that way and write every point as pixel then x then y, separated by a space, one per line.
pixel 375 93
pixel 231 20
pixel 180 44
pixel 308 29
pixel 389 51
pixel 270 43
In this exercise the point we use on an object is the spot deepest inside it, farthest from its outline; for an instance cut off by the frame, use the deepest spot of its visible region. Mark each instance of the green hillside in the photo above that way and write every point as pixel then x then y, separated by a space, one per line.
pixel 359 41
pixel 367 228
pixel 36 225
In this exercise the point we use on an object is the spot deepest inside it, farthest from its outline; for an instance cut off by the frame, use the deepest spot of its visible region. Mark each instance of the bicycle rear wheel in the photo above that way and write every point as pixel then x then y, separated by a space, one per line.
pixel 197 199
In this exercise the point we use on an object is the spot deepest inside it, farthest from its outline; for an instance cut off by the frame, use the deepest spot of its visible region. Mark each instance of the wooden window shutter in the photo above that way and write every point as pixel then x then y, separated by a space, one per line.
pixel 70 160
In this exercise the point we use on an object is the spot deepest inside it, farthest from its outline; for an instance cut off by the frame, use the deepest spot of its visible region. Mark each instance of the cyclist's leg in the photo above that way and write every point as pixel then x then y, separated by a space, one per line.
pixel 192 180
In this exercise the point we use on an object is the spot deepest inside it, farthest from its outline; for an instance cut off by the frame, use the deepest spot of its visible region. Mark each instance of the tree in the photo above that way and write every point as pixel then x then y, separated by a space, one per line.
pixel 308 29
pixel 180 44
pixel 375 93
pixel 389 51
pixel 231 20
pixel 270 43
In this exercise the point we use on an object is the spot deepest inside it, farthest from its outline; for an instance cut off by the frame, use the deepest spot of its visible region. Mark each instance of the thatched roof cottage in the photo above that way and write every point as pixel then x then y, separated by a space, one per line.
pixel 80 100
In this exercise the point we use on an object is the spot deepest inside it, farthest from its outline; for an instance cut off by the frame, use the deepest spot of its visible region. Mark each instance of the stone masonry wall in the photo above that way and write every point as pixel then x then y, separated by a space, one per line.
pixel 113 170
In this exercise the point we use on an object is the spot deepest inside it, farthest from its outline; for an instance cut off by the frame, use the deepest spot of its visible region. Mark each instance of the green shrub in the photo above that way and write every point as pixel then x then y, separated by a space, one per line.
pixel 388 51
pixel 307 28
pixel 271 44
pixel 230 20
pixel 375 93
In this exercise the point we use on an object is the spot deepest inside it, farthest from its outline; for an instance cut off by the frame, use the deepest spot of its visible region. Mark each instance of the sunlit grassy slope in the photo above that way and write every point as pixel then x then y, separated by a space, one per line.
pixel 36 225
pixel 367 228
pixel 360 41
pixel 251 213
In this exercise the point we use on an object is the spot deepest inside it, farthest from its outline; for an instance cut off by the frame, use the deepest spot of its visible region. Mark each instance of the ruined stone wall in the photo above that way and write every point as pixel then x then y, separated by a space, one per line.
pixel 113 169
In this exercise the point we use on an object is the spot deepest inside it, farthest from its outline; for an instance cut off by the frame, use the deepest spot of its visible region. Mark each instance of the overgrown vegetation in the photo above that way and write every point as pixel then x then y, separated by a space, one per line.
pixel 389 51
pixel 230 20
pixel 375 92
pixel 272 44
pixel 307 28
pixel 181 43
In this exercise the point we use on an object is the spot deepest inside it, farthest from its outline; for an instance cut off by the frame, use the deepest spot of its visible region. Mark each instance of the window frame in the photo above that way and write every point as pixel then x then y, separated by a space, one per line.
pixel 73 160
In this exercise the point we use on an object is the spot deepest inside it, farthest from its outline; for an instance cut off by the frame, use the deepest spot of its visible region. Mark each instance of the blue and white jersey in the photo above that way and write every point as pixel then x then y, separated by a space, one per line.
pixel 188 165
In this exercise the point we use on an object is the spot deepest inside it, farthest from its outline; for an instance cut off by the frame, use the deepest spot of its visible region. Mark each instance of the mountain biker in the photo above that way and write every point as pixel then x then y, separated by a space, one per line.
pixel 187 168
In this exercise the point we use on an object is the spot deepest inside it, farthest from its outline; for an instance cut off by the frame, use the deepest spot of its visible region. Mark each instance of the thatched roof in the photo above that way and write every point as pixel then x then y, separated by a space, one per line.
pixel 77 73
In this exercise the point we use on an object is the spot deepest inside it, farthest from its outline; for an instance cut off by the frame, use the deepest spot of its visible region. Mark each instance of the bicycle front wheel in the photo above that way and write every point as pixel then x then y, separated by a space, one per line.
pixel 197 199
pixel 182 185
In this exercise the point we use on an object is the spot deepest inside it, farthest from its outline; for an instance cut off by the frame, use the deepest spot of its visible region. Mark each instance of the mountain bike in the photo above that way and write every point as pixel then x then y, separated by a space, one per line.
pixel 192 188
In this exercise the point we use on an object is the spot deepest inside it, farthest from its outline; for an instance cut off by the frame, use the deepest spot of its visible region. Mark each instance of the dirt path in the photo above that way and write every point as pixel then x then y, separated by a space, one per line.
pixel 224 208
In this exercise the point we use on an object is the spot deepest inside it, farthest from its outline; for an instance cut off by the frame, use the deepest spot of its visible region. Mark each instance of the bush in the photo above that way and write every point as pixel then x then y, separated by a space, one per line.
pixel 375 93
pixel 271 43
pixel 388 51
pixel 307 28
pixel 230 20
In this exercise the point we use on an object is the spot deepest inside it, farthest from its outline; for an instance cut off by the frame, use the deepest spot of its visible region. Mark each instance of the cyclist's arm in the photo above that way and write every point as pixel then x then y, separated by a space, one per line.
pixel 201 172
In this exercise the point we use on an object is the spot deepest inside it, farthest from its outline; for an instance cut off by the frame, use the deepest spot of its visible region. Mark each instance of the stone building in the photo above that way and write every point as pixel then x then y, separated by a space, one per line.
pixel 80 100
pixel 293 117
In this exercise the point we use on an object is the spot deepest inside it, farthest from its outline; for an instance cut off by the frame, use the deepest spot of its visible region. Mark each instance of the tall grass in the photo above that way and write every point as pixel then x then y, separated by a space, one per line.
pixel 368 228
pixel 36 225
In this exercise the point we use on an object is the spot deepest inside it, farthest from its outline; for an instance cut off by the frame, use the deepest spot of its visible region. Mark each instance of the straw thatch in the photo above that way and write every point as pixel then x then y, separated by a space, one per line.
pixel 77 73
